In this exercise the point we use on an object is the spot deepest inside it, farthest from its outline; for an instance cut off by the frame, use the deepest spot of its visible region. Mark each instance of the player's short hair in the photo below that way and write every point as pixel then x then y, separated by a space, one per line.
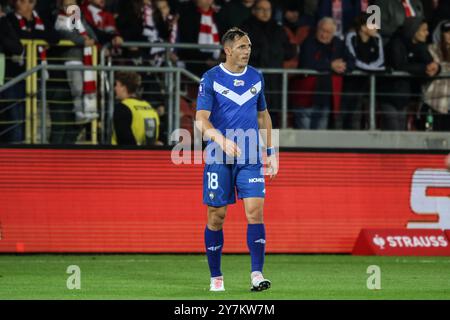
pixel 131 80
pixel 233 34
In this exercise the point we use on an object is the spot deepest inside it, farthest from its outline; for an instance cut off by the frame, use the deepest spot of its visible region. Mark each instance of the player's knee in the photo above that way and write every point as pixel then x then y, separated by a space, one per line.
pixel 216 218
pixel 255 215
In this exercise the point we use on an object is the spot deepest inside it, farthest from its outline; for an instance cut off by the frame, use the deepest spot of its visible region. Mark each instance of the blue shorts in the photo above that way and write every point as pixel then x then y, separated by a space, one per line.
pixel 221 181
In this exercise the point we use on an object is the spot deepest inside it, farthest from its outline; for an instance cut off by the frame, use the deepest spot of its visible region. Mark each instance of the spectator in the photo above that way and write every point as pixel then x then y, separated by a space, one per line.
pixel 102 22
pixel 270 48
pixel 159 26
pixel 9 40
pixel 441 14
pixel 9 46
pixel 366 47
pixel 310 7
pixel 27 25
pixel 343 13
pixel 112 6
pixel 442 11
pixel 73 102
pixel 234 13
pixel 395 12
pixel 147 21
pixel 407 51
pixel 135 121
pixel 323 52
pixel 297 28
pixel 5 8
pixel 198 24
pixel 437 93
pixel 48 10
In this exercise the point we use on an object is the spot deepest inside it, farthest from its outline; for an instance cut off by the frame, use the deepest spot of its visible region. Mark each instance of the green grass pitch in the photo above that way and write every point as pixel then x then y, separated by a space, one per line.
pixel 293 277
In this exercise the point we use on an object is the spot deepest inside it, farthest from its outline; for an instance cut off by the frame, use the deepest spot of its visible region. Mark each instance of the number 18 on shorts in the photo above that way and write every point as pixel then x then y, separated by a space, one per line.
pixel 222 181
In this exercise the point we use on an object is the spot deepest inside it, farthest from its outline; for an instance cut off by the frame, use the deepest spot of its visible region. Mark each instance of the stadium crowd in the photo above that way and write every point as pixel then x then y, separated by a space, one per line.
pixel 329 36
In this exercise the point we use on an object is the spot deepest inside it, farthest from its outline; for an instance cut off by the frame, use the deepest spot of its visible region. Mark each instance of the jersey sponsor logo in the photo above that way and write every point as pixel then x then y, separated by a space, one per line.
pixel 256 180
pixel 225 92
pixel 397 241
pixel 262 241
pixel 238 83
pixel 239 99
pixel 214 248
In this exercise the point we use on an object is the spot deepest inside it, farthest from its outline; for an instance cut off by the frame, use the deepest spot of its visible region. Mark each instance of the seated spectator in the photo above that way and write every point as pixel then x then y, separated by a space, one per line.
pixel 198 24
pixel 407 51
pixel 437 93
pixel 27 24
pixel 135 122
pixel 395 12
pixel 366 47
pixel 102 22
pixel 234 13
pixel 9 46
pixel 316 96
pixel 75 101
pixel 343 13
pixel 270 48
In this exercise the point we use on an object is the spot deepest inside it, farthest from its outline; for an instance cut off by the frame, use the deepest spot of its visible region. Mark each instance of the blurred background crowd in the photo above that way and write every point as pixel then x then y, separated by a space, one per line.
pixel 332 37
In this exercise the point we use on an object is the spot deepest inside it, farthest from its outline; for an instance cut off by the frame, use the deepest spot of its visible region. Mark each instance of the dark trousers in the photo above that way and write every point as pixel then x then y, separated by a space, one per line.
pixel 393 117
pixel 351 114
pixel 12 114
pixel 64 130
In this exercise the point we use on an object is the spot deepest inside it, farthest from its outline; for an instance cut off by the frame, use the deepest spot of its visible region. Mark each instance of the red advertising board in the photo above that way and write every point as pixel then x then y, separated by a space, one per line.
pixel 402 242
pixel 83 200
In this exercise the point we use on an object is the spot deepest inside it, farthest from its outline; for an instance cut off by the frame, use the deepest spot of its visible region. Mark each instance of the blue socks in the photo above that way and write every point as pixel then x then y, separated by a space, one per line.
pixel 214 245
pixel 256 241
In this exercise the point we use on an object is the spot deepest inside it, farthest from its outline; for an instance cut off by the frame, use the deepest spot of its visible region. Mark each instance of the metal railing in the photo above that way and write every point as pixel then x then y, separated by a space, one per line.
pixel 32 117
pixel 174 109
pixel 173 80
pixel 372 93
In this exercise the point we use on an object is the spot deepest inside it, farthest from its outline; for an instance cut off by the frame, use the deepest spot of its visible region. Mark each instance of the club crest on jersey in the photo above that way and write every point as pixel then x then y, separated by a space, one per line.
pixel 238 83
pixel 211 195
pixel 253 90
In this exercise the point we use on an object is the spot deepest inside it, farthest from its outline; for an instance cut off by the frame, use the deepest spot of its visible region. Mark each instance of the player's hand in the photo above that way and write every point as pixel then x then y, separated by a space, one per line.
pixel 230 148
pixel 272 166
pixel 447 162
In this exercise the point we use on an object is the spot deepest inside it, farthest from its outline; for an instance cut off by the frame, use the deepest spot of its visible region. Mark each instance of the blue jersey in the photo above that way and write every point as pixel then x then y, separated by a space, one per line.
pixel 234 100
